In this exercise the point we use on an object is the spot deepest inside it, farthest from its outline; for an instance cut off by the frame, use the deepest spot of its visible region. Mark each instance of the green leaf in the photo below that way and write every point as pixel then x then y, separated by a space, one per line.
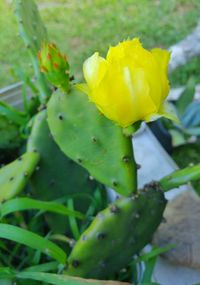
pixel 21 204
pixel 186 97
pixel 155 252
pixel 191 117
pixel 6 273
pixel 150 260
pixel 56 279
pixel 7 282
pixel 193 131
pixel 32 240
pixel 45 267
pixel 72 221
pixel 178 137
pixel 12 114
pixel 149 267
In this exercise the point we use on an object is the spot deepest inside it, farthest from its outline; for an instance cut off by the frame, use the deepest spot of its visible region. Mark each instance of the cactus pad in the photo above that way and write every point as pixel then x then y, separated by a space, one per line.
pixel 33 32
pixel 14 176
pixel 57 175
pixel 116 234
pixel 9 134
pixel 93 141
pixel 32 28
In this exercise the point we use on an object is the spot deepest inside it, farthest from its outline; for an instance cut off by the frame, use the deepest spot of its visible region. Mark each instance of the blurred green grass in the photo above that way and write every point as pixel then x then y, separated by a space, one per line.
pixel 82 27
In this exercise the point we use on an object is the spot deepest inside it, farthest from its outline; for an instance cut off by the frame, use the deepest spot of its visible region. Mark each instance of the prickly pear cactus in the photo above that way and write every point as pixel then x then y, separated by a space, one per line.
pixel 9 134
pixel 116 234
pixel 57 175
pixel 33 32
pixel 55 65
pixel 91 140
pixel 14 176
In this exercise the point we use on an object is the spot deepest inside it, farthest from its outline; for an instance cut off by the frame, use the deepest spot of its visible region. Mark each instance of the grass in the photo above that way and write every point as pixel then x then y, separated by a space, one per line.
pixel 82 27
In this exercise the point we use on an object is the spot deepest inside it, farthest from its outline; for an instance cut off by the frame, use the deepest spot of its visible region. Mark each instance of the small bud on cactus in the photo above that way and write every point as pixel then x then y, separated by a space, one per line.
pixel 54 65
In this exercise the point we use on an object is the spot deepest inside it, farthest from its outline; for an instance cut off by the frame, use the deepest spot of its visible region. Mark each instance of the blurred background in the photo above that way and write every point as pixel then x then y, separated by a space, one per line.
pixel 82 27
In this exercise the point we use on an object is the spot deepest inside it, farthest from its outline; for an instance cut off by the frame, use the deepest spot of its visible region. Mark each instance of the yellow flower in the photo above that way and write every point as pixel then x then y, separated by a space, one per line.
pixel 130 85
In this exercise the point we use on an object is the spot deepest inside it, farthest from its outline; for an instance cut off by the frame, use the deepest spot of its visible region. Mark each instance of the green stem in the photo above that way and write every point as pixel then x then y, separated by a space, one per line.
pixel 129 132
pixel 180 177
pixel 72 221
pixel 131 163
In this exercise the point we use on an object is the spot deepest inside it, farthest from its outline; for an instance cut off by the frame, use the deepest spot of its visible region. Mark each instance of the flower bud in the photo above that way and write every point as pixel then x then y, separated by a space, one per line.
pixel 130 84
pixel 54 65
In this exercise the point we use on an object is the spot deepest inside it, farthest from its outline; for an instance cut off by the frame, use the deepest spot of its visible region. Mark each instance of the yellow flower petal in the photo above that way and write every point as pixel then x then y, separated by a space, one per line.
pixel 130 85
pixel 125 48
pixel 162 57
pixel 167 110
pixel 94 69
pixel 130 92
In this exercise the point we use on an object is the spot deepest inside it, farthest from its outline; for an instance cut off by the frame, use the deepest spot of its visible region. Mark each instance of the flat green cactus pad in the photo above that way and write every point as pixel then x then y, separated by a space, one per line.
pixel 31 26
pixel 57 175
pixel 93 141
pixel 14 176
pixel 9 134
pixel 33 32
pixel 116 234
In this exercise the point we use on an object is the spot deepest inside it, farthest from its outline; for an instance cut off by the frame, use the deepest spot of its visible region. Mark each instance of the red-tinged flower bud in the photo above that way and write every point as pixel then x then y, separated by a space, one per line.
pixel 54 65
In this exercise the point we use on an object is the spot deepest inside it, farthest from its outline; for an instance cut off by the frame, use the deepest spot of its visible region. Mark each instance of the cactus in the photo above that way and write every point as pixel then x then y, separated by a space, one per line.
pixel 9 134
pixel 93 141
pixel 55 65
pixel 180 177
pixel 14 176
pixel 34 34
pixel 116 234
pixel 57 175
pixel 11 123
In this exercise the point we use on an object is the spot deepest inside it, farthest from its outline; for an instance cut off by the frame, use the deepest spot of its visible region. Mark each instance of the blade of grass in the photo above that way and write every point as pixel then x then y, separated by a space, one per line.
pixel 14 115
pixel 57 279
pixel 155 252
pixel 32 240
pixel 149 267
pixel 45 267
pixel 6 273
pixel 21 204
pixel 72 221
